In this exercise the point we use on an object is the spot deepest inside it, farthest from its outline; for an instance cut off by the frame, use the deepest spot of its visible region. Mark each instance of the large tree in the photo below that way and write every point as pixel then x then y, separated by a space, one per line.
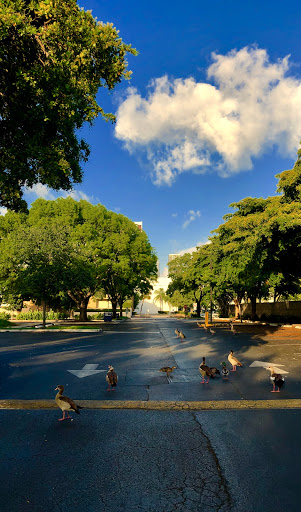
pixel 190 276
pixel 101 250
pixel 127 261
pixel 54 56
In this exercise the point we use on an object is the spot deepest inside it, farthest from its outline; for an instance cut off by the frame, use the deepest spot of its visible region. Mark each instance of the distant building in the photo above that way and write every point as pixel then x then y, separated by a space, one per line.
pixel 148 306
pixel 172 257
pixel 139 224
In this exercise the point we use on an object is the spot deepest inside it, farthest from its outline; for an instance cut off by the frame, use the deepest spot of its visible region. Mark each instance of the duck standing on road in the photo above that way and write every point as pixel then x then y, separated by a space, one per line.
pixel 205 371
pixel 182 336
pixel 276 378
pixel 65 403
pixel 225 371
pixel 214 370
pixel 168 370
pixel 234 361
pixel 111 378
pixel 177 332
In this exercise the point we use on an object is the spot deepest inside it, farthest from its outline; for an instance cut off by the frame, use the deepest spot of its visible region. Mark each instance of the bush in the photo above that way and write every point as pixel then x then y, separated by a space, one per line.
pixel 38 315
pixel 4 315
pixel 162 312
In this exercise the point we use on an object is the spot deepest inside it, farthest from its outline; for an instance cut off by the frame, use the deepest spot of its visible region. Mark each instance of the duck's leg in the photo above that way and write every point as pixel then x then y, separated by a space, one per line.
pixel 203 381
pixel 233 369
pixel 61 419
pixel 274 390
pixel 109 388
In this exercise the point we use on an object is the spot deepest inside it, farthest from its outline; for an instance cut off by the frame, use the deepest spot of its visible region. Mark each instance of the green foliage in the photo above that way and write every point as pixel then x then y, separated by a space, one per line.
pixel 54 56
pixel 64 251
pixel 4 315
pixel 38 315
pixel 256 252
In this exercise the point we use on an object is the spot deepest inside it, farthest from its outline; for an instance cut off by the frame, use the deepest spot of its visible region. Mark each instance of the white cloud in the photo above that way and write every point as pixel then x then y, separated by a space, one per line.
pixel 192 215
pixel 183 125
pixel 174 214
pixel 43 191
pixel 39 190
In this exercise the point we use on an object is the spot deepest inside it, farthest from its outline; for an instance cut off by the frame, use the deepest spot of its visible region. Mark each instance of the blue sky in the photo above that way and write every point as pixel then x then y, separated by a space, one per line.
pixel 213 113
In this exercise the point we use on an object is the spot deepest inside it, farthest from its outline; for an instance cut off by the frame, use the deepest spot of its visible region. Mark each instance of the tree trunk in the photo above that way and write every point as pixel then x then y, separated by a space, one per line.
pixel 83 316
pixel 253 304
pixel 114 307
pixel 237 307
pixel 120 302
pixel 44 313
pixel 198 308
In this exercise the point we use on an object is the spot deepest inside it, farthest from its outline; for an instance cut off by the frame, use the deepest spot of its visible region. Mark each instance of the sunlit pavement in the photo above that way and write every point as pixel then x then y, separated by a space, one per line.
pixel 137 460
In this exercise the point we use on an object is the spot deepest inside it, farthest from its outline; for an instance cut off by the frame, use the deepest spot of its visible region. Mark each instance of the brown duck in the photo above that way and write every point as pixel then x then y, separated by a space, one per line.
pixel 111 378
pixel 65 403
pixel 205 371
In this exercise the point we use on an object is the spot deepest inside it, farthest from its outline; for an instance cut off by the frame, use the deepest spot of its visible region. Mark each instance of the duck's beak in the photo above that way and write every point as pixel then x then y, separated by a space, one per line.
pixel 56 389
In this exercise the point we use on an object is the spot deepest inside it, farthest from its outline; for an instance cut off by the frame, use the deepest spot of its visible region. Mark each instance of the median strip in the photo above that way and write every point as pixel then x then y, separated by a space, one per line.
pixel 161 405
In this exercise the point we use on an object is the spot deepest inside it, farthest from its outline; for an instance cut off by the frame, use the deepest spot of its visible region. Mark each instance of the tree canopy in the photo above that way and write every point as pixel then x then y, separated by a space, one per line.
pixel 66 248
pixel 254 254
pixel 54 57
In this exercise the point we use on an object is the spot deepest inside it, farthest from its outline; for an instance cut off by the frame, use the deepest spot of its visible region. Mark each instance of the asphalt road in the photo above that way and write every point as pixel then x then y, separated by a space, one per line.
pixel 132 461
pixel 33 364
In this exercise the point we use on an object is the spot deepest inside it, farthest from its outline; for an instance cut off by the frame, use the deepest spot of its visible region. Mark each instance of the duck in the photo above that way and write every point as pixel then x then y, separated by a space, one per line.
pixel 177 332
pixel 205 371
pixel 182 335
pixel 206 329
pixel 168 370
pixel 232 328
pixel 111 378
pixel 212 331
pixel 65 403
pixel 276 378
pixel 214 370
pixel 225 371
pixel 234 361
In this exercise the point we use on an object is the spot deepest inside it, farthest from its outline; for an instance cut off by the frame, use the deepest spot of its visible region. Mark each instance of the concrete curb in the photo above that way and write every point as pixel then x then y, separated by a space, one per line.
pixel 159 405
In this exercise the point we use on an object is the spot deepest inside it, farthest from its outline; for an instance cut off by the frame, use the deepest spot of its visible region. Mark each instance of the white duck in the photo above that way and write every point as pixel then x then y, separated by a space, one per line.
pixel 234 361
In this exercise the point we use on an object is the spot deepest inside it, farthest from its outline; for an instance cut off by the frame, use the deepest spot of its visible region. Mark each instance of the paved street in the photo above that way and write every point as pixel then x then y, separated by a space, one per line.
pixel 149 461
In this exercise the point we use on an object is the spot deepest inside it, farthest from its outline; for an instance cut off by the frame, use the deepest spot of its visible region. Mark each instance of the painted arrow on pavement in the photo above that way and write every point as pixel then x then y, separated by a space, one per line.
pixel 86 371
pixel 264 364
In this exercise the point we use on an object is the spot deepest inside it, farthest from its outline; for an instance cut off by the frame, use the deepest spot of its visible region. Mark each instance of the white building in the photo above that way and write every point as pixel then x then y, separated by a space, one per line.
pixel 149 306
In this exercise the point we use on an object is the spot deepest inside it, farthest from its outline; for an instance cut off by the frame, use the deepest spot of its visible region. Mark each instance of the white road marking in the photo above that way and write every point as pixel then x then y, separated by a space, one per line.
pixel 265 364
pixel 86 371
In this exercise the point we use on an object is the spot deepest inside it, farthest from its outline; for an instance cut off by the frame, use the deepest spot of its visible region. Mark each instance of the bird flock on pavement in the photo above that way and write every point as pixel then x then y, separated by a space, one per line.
pixel 67 405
